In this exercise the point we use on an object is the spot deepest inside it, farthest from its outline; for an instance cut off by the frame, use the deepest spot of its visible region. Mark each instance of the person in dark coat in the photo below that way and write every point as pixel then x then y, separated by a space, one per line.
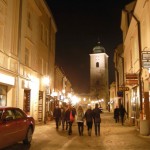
pixel 97 119
pixel 69 111
pixel 57 115
pixel 89 119
pixel 122 112
pixel 63 120
pixel 116 114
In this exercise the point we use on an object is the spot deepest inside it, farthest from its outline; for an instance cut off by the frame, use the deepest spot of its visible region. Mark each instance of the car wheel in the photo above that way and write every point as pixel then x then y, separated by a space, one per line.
pixel 28 137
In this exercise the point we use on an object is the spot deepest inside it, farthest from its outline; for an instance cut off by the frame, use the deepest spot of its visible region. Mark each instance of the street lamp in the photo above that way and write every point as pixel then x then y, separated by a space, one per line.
pixel 46 82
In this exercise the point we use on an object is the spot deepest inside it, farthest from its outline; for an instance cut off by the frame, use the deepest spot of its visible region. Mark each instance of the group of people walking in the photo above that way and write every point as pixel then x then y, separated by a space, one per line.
pixel 67 117
pixel 119 112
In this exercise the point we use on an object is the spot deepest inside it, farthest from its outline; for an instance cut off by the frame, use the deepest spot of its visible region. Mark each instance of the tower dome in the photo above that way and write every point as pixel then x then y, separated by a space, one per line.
pixel 98 48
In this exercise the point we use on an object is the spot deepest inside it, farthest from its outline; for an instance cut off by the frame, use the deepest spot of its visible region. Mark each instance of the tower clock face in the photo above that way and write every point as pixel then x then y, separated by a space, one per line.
pixel 97 57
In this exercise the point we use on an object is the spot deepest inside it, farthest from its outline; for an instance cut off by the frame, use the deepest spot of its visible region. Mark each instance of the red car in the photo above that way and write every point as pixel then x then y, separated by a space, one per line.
pixel 15 126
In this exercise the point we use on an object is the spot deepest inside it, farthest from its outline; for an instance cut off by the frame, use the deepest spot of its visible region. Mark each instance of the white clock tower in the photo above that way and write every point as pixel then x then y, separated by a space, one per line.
pixel 99 88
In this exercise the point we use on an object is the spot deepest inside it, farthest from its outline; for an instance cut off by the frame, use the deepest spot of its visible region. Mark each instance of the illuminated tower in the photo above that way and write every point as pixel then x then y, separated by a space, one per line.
pixel 99 89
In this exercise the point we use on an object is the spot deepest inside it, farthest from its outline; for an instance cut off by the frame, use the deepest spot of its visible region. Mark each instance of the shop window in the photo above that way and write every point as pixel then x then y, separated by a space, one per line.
pixel 3 95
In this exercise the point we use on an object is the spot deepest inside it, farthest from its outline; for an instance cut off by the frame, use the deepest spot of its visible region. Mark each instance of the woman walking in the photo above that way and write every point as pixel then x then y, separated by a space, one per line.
pixel 80 121
pixel 89 119
pixel 69 115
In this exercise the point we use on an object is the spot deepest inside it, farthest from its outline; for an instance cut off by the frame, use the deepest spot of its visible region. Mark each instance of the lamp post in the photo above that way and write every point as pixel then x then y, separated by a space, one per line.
pixel 46 83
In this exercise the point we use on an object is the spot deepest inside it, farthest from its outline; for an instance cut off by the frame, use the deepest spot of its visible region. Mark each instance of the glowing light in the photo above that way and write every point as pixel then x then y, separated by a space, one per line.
pixel 7 79
pixel 69 95
pixel 46 80
pixel 75 99
pixel 63 91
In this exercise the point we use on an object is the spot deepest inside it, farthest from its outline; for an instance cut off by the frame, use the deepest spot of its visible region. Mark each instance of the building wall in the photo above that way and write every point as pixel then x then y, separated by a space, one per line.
pixel 136 41
pixel 27 52
pixel 62 85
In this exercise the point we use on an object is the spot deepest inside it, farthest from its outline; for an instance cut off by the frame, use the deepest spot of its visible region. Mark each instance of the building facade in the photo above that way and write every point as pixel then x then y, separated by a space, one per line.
pixel 113 98
pixel 62 86
pixel 27 55
pixel 135 25
pixel 99 89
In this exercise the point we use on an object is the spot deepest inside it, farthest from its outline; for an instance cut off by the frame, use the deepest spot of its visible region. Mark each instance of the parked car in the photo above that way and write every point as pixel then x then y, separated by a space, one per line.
pixel 15 126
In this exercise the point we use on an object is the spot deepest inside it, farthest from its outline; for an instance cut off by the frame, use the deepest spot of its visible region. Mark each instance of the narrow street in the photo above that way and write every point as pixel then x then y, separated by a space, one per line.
pixel 113 136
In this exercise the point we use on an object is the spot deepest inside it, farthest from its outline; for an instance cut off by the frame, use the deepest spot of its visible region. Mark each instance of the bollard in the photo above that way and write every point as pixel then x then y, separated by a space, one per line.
pixel 144 127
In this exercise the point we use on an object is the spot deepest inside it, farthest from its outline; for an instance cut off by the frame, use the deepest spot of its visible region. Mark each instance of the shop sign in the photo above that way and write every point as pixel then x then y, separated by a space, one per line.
pixel 145 55
pixel 131 82
pixel 146 64
pixel 123 88
pixel 146 59
pixel 131 76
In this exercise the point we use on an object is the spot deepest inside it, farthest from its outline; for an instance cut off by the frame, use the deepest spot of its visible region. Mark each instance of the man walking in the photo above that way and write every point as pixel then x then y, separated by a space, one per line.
pixel 116 114
pixel 57 115
pixel 97 119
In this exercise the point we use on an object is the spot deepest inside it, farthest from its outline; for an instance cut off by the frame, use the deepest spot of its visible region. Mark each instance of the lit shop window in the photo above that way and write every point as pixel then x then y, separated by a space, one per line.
pixel 3 94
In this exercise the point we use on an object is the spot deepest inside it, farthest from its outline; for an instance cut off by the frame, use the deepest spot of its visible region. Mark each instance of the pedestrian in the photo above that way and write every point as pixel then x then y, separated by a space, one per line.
pixel 116 114
pixel 63 120
pixel 89 119
pixel 57 115
pixel 122 112
pixel 66 108
pixel 74 109
pixel 80 120
pixel 70 115
pixel 97 119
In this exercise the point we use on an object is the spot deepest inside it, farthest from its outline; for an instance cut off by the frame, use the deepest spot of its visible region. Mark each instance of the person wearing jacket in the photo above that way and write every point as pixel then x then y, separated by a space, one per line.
pixel 116 114
pixel 80 121
pixel 122 112
pixel 63 120
pixel 89 119
pixel 57 115
pixel 69 112
pixel 97 119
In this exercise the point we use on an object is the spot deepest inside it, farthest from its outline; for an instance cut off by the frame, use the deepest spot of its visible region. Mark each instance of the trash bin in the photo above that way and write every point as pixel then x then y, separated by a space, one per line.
pixel 144 127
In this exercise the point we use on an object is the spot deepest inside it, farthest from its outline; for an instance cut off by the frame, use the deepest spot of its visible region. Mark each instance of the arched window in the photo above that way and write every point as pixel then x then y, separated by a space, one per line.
pixel 97 64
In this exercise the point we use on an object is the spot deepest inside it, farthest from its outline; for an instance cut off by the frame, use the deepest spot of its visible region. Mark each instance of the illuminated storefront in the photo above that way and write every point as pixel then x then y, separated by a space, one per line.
pixel 5 82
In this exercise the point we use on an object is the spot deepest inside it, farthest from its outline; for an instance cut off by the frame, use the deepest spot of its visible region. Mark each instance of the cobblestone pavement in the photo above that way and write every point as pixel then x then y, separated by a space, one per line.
pixel 126 137
pixel 113 136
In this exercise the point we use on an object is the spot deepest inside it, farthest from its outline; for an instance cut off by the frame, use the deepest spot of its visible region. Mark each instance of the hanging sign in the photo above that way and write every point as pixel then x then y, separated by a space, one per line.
pixel 146 59
pixel 123 88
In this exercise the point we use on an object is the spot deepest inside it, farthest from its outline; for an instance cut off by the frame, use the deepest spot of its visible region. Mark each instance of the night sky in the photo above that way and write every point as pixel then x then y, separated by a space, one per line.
pixel 80 24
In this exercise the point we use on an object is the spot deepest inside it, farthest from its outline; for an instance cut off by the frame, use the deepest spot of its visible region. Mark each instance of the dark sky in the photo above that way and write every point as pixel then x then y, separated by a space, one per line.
pixel 80 24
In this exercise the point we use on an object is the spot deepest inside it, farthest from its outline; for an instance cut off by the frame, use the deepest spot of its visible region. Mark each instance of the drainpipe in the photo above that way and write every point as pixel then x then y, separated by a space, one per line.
pixel 140 60
pixel 123 78
pixel 117 78
pixel 19 51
